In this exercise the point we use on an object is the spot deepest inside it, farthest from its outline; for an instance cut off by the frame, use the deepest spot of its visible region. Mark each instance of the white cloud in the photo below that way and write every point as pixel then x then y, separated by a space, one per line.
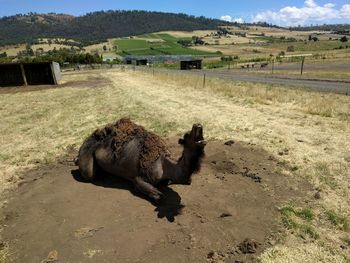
pixel 238 20
pixel 226 18
pixel 311 12
pixel 230 19
pixel 345 12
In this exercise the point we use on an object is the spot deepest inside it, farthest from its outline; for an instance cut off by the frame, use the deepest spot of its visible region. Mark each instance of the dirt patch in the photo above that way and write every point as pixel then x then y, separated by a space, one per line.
pixel 91 82
pixel 53 210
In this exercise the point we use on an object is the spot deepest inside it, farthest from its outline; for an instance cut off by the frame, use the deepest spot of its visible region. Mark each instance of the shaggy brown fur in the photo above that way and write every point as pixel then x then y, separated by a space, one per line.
pixel 123 131
pixel 151 146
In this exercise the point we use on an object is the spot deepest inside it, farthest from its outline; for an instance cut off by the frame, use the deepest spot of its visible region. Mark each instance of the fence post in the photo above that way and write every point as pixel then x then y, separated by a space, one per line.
pixel 23 75
pixel 204 80
pixel 302 66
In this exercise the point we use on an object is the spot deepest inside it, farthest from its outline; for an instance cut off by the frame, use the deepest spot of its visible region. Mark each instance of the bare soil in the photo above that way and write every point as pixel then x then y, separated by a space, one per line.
pixel 232 204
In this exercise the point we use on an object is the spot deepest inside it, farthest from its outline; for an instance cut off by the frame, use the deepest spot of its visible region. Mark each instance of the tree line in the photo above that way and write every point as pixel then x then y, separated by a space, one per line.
pixel 62 56
pixel 97 26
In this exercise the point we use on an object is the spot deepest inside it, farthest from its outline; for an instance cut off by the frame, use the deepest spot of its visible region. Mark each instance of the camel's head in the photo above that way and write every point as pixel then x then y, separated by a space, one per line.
pixel 194 144
pixel 194 138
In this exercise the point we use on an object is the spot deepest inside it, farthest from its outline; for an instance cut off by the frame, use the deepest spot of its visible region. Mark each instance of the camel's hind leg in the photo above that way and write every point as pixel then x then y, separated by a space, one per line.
pixel 87 167
pixel 147 189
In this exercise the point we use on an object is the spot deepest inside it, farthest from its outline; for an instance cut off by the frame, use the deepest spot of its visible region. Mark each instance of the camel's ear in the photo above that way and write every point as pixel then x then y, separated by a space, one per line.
pixel 181 141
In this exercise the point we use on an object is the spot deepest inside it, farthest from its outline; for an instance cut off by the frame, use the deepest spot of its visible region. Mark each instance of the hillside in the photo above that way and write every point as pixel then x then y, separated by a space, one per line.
pixel 343 28
pixel 97 26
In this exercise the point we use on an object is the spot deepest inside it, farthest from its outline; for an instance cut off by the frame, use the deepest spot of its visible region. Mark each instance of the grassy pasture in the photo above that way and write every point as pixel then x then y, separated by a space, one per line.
pixel 313 127
pixel 154 44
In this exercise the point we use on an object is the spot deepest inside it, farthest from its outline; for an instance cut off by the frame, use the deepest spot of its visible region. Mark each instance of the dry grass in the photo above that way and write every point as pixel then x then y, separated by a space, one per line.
pixel 313 127
pixel 13 49
pixel 99 47
pixel 4 254
pixel 185 34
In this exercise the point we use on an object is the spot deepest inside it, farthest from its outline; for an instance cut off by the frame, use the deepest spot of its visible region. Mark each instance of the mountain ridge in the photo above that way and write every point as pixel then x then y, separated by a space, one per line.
pixel 97 26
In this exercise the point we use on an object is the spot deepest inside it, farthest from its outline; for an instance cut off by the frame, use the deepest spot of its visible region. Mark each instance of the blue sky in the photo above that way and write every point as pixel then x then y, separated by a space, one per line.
pixel 285 12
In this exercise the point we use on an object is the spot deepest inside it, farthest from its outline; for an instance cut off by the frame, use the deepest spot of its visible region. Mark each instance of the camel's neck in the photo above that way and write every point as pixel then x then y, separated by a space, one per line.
pixel 179 172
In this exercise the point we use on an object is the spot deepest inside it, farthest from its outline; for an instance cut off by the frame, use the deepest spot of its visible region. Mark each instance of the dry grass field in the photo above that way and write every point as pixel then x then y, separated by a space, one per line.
pixel 308 132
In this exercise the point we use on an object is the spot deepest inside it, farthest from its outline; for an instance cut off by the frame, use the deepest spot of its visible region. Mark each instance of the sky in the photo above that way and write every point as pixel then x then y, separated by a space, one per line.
pixel 284 12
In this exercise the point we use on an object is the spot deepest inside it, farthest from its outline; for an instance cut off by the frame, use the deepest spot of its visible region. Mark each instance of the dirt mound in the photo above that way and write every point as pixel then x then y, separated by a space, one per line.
pixel 53 210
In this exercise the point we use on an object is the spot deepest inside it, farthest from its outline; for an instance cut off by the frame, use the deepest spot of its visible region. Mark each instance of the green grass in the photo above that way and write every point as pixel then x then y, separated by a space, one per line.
pixel 130 44
pixel 299 220
pixel 338 220
pixel 168 46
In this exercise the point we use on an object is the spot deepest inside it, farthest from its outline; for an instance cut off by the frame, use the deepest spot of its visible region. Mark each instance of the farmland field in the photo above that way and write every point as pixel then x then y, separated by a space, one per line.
pixel 154 44
pixel 295 141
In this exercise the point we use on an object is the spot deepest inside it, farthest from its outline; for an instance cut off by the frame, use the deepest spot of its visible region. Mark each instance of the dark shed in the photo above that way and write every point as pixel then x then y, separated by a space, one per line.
pixel 17 74
pixel 139 62
pixel 191 64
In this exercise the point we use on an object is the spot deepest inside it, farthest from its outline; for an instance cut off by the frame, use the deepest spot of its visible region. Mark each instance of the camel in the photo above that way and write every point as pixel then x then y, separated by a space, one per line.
pixel 127 150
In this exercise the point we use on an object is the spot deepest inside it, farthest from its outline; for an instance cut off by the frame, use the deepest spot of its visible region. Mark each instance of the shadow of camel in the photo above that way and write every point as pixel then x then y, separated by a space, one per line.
pixel 169 207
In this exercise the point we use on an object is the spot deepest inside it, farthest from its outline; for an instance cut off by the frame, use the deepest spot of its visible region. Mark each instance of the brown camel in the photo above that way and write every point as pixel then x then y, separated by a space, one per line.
pixel 127 150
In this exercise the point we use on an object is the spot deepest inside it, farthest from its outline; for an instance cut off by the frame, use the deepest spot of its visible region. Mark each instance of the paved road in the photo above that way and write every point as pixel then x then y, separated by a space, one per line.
pixel 333 86
pixel 318 85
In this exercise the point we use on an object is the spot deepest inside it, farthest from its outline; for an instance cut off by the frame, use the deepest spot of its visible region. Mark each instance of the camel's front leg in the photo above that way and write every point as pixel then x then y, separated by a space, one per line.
pixel 147 189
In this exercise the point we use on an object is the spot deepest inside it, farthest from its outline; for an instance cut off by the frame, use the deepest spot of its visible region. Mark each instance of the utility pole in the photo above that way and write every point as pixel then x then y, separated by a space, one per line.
pixel 204 80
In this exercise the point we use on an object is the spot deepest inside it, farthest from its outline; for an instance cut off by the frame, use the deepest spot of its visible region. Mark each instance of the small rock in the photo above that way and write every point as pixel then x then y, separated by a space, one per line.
pixel 229 143
pixel 2 245
pixel 211 254
pixel 248 246
pixel 85 232
pixel 317 195
pixel 52 257
pixel 225 215
pixel 271 242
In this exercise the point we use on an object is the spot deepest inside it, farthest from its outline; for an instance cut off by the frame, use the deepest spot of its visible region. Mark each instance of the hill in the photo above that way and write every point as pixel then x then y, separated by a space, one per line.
pixel 97 26
pixel 341 28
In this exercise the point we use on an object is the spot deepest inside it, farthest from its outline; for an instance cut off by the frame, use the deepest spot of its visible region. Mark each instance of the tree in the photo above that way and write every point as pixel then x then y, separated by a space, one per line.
pixel 29 50
pixel 104 48
pixel 290 49
pixel 344 39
